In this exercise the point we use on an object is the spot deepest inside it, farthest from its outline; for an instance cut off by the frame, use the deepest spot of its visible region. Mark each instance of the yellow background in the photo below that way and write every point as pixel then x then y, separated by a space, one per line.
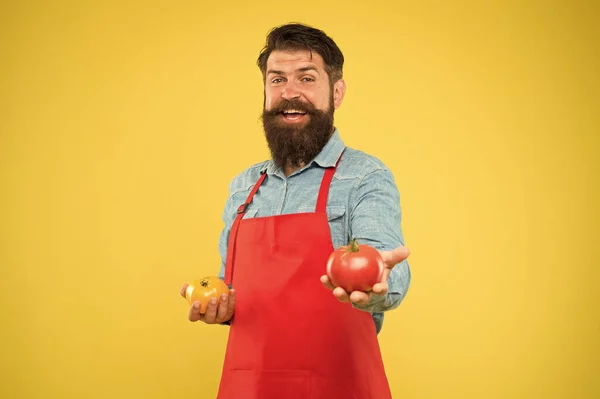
pixel 121 125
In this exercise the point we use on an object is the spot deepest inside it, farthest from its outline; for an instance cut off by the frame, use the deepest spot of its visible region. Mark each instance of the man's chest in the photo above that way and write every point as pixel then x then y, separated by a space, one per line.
pixel 280 197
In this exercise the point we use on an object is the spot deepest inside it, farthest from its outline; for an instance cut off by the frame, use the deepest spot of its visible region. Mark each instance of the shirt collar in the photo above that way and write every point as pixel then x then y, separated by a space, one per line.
pixel 327 158
pixel 330 154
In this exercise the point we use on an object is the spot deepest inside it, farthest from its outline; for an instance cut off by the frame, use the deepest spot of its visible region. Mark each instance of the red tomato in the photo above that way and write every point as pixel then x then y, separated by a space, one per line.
pixel 355 267
pixel 204 290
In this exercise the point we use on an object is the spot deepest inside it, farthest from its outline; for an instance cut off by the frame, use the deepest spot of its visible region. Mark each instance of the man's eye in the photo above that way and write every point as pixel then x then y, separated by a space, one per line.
pixel 277 80
pixel 308 79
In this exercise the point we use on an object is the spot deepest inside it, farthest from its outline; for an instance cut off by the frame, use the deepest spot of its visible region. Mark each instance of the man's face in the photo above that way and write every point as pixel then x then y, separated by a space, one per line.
pixel 299 106
pixel 297 75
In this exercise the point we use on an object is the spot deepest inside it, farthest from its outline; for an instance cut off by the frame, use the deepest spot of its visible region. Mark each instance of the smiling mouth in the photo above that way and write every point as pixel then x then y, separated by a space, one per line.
pixel 293 115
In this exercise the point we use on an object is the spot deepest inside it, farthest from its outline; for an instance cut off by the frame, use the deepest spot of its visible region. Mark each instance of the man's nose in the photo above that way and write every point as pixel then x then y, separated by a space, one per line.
pixel 290 91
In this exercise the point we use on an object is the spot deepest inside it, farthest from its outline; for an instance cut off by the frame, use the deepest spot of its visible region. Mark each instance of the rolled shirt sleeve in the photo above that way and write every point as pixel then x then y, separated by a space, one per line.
pixel 376 221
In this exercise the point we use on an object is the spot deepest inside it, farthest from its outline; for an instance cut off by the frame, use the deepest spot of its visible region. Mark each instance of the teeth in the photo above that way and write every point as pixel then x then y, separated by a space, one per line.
pixel 292 111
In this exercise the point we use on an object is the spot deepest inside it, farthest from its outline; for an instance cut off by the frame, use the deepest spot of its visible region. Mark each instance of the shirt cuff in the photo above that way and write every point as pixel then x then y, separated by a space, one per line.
pixel 380 303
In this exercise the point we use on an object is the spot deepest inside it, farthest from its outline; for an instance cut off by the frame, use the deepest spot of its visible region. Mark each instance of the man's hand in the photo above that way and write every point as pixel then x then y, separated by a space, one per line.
pixel 390 259
pixel 216 312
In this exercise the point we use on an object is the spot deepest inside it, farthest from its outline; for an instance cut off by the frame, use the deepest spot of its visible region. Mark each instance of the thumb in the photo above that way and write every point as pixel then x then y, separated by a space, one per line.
pixel 395 256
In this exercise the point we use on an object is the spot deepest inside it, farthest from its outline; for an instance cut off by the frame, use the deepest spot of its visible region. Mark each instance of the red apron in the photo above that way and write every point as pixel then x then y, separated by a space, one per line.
pixel 290 338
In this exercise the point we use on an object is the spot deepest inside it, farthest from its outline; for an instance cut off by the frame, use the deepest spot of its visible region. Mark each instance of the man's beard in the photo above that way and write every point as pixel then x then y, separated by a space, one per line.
pixel 295 145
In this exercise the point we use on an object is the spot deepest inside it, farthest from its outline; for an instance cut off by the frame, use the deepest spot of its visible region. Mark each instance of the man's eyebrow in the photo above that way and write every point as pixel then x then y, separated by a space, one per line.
pixel 308 68
pixel 303 69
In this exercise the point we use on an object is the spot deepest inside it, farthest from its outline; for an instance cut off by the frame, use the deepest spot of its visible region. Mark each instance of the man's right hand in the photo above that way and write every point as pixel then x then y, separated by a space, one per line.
pixel 217 312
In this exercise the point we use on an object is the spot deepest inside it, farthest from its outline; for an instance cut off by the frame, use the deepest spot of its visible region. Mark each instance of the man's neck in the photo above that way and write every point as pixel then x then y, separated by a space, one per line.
pixel 288 170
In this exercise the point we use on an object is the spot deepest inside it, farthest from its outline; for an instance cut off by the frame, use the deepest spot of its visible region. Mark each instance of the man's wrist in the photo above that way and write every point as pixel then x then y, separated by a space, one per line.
pixel 374 302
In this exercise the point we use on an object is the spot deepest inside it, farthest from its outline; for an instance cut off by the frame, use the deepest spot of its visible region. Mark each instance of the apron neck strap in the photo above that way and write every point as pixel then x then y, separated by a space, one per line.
pixel 229 262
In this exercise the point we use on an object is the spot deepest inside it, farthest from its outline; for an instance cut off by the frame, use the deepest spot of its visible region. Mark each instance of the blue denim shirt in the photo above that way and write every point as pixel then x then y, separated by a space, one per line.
pixel 363 203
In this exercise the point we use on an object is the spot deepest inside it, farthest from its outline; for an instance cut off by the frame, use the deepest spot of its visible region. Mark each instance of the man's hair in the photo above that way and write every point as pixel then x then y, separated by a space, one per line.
pixel 295 36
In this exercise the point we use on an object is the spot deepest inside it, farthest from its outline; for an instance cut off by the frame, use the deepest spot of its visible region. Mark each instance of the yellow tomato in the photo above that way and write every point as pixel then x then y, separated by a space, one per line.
pixel 204 290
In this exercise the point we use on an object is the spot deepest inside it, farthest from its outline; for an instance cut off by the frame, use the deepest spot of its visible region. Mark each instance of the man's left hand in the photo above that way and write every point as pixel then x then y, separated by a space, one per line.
pixel 390 259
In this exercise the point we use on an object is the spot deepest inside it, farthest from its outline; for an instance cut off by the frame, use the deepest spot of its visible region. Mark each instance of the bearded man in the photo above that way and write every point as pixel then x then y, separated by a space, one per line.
pixel 304 337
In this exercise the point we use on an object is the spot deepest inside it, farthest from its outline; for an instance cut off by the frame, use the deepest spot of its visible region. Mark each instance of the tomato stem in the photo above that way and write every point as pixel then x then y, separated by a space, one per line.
pixel 204 283
pixel 353 245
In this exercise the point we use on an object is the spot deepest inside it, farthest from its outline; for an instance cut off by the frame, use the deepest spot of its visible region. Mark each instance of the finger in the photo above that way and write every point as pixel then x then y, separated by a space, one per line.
pixel 380 288
pixel 182 292
pixel 194 313
pixel 326 282
pixel 211 312
pixel 222 310
pixel 395 256
pixel 360 298
pixel 341 295
pixel 385 275
pixel 230 304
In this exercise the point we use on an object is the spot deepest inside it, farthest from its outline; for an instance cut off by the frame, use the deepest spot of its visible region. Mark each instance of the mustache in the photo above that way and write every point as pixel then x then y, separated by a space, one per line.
pixel 285 104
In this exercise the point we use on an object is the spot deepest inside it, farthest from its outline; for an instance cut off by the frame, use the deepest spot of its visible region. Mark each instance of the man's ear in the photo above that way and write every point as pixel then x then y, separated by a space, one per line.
pixel 339 89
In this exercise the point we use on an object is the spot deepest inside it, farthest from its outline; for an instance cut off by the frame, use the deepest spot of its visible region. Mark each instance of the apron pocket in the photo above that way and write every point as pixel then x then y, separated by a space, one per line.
pixel 271 384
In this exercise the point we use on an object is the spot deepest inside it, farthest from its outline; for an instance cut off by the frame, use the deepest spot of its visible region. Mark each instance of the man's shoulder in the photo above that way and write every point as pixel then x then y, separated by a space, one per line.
pixel 247 178
pixel 357 163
